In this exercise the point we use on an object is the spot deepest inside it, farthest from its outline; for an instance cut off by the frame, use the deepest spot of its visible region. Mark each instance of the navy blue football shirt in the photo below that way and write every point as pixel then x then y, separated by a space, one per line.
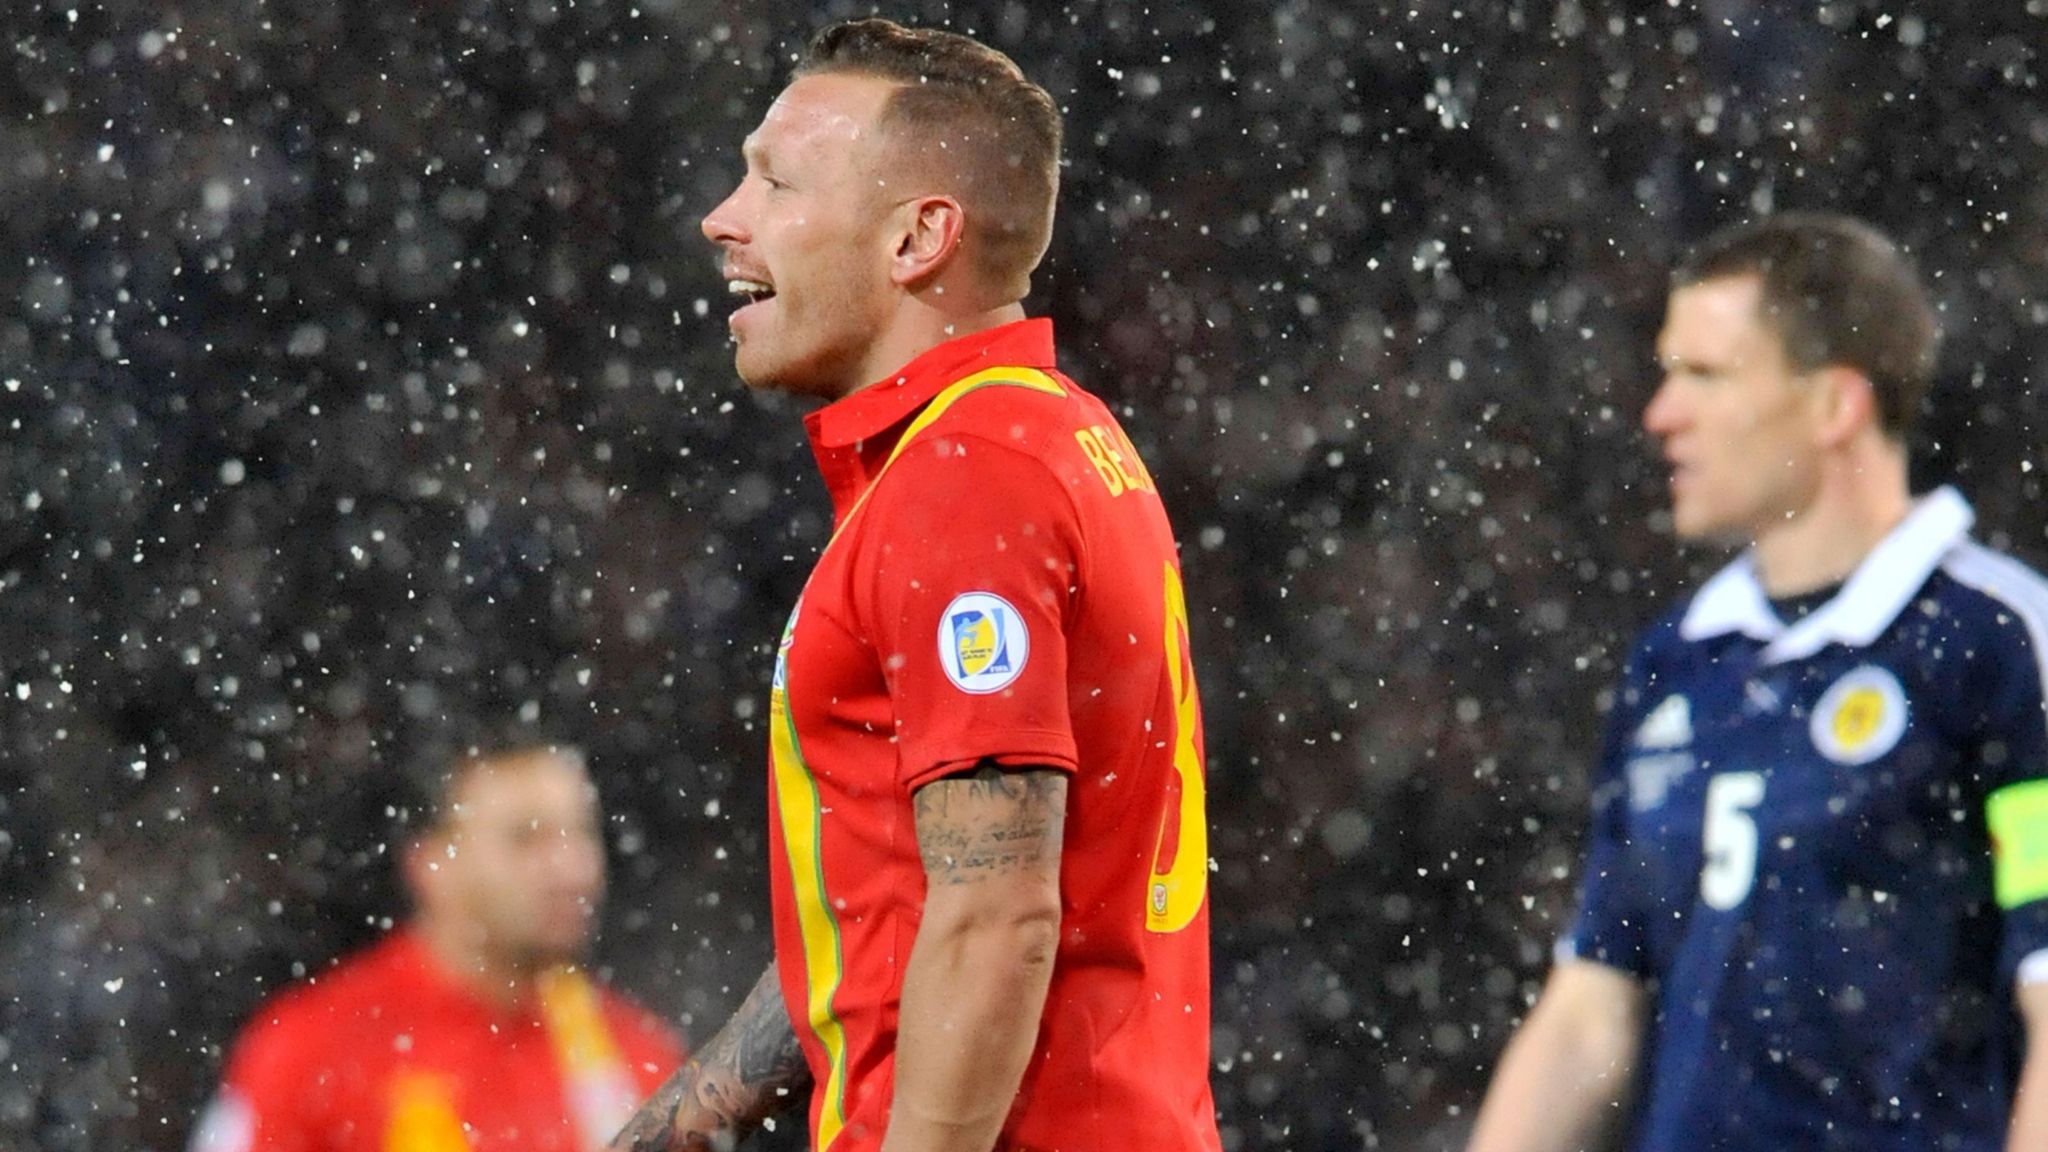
pixel 1793 846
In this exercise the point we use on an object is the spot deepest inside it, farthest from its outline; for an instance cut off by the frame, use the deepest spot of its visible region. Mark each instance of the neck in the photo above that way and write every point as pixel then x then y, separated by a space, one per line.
pixel 462 952
pixel 1860 499
pixel 918 329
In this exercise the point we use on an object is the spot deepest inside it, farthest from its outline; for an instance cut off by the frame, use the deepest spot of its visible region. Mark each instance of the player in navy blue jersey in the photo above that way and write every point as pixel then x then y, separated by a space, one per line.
pixel 1813 910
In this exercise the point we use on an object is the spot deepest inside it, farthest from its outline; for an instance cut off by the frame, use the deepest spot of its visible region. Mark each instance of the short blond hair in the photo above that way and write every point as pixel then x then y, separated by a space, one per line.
pixel 969 110
pixel 436 799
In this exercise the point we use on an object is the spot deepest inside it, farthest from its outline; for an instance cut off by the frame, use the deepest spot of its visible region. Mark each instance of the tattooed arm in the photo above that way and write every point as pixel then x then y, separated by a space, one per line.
pixel 751 1070
pixel 975 984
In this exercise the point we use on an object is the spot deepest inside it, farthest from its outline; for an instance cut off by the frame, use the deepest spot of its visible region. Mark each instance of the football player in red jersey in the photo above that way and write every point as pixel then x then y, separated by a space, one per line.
pixel 989 851
pixel 469 1029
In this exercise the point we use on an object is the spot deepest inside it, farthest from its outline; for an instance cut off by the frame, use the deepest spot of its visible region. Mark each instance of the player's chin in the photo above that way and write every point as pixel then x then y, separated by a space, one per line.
pixel 757 369
pixel 1719 531
pixel 1691 522
pixel 761 372
pixel 563 947
pixel 566 929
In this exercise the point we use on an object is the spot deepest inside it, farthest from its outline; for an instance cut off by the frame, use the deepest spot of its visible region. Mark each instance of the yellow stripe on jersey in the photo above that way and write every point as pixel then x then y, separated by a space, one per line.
pixel 796 803
pixel 1030 378
pixel 575 1022
pixel 801 814
pixel 423 1116
pixel 2018 818
pixel 598 1082
pixel 1175 895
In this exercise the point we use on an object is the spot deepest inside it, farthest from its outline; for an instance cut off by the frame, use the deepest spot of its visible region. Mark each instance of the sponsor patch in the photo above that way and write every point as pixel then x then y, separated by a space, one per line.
pixel 1860 717
pixel 983 642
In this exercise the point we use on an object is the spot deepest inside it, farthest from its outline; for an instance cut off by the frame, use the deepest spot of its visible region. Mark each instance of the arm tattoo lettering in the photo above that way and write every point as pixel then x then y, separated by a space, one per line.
pixel 988 822
pixel 751 1070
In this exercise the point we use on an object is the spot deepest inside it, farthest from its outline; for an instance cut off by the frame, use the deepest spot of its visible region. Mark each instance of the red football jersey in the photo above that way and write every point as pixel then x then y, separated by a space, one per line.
pixel 388 1053
pixel 1002 585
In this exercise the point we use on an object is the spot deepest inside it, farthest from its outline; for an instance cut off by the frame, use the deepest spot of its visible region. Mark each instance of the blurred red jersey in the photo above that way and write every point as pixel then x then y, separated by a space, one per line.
pixel 388 1053
pixel 1002 585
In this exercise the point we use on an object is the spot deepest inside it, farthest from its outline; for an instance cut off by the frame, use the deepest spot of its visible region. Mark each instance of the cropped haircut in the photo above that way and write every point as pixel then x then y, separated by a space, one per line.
pixel 1837 292
pixel 431 790
pixel 967 109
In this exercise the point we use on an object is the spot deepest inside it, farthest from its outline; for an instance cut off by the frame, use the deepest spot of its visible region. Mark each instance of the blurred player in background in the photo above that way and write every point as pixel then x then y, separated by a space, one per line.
pixel 1812 913
pixel 470 1028
pixel 990 861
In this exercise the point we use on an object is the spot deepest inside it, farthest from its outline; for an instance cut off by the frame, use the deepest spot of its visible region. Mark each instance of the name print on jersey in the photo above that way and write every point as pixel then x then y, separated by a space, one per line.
pixel 1115 460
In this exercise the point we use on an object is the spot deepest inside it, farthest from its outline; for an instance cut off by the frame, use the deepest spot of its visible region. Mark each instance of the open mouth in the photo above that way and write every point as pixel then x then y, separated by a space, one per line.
pixel 754 290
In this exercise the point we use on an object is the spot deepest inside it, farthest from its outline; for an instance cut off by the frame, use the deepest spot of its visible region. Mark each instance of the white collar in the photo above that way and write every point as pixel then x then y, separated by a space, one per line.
pixel 1873 596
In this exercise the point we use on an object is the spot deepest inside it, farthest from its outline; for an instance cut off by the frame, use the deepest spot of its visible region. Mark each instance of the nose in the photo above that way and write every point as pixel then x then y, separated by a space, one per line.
pixel 1665 413
pixel 725 224
pixel 574 861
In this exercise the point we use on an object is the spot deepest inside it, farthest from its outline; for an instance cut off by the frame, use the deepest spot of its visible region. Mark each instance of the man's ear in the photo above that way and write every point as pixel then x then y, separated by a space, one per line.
pixel 928 239
pixel 1848 404
pixel 420 864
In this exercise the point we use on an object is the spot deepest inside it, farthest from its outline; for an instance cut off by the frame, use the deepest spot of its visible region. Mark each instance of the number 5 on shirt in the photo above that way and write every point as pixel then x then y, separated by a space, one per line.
pixel 1729 838
pixel 1180 866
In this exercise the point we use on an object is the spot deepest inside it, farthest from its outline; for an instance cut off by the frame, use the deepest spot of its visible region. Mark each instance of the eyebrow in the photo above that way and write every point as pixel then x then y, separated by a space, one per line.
pixel 1692 364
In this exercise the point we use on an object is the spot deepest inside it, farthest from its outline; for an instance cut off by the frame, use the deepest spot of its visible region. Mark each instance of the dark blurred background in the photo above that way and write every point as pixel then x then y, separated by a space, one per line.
pixel 365 386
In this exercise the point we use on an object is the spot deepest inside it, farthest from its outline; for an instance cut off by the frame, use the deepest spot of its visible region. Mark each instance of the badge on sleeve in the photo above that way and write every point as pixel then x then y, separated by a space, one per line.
pixel 1860 717
pixel 983 642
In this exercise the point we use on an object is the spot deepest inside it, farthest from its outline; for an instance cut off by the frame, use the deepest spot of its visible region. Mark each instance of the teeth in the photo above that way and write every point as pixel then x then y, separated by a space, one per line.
pixel 747 288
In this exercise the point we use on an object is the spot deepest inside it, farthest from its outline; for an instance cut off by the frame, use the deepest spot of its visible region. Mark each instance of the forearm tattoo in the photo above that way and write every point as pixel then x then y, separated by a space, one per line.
pixel 751 1070
pixel 989 821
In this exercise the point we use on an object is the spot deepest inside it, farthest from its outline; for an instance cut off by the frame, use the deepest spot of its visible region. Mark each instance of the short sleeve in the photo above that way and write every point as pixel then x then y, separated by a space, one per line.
pixel 259 1105
pixel 1609 926
pixel 967 589
pixel 2012 752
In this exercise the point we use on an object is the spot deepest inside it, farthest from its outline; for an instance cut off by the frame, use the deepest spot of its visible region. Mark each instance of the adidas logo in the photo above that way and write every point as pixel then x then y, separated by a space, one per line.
pixel 1668 726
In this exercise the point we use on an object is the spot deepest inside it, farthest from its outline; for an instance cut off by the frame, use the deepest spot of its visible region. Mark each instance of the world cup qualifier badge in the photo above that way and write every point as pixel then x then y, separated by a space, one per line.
pixel 983 642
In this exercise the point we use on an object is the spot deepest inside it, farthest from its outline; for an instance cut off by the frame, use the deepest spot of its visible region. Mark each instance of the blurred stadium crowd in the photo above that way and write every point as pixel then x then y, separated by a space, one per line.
pixel 366 392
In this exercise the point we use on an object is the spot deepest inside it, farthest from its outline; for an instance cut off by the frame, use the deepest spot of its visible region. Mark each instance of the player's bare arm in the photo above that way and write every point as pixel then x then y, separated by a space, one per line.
pixel 1570 1069
pixel 975 985
pixel 748 1072
pixel 989 823
pixel 2029 1126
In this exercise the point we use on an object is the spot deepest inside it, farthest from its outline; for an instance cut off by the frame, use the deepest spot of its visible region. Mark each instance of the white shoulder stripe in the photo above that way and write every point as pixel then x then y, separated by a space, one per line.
pixel 2012 584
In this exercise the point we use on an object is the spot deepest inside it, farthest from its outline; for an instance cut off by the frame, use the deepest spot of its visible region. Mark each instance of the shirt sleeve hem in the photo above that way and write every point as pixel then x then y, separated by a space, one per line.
pixel 1567 951
pixel 1057 758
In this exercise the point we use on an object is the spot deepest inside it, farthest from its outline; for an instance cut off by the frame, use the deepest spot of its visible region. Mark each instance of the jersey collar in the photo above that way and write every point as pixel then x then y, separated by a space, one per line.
pixel 875 409
pixel 1873 596
pixel 852 436
pixel 426 976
